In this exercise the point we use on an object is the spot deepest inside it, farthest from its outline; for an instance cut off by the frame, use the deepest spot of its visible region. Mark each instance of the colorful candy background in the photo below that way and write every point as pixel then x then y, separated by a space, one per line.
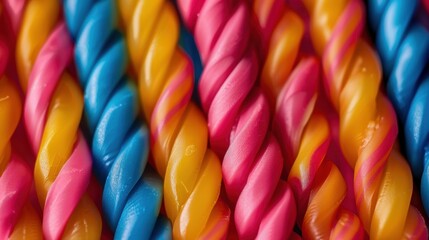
pixel 214 119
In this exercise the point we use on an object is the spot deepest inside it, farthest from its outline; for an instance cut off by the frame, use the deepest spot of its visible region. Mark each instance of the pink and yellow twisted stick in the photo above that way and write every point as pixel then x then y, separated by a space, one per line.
pixel 52 113
pixel 304 132
pixel 191 171
pixel 282 32
pixel 318 184
pixel 18 219
pixel 382 179
pixel 239 118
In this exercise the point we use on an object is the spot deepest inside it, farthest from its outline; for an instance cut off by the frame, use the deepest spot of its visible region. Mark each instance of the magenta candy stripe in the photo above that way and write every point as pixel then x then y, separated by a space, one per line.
pixel 252 160
pixel 381 153
pixel 262 183
pixel 316 160
pixel 66 190
pixel 267 26
pixel 50 64
pixel 212 78
pixel 281 210
pixel 15 185
pixel 300 97
pixel 223 31
pixel 301 190
pixel 72 180
pixel 221 119
pixel 177 107
pixel 342 24
pixel 338 159
pixel 244 149
pixel 235 32
pixel 14 9
pixel 4 56
pixel 190 12
pixel 16 179
pixel 377 155
pixel 420 228
pixel 166 97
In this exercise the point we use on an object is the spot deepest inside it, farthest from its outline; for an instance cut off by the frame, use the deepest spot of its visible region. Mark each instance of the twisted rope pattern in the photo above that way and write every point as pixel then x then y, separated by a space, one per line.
pixel 120 142
pixel 191 171
pixel 282 33
pixel 18 219
pixel 403 43
pixel 382 179
pixel 318 185
pixel 239 117
pixel 303 132
pixel 52 113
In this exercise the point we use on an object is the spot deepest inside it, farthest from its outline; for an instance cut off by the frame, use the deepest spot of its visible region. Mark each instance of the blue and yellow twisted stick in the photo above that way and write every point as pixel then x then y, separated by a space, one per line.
pixel 120 141
pixel 403 43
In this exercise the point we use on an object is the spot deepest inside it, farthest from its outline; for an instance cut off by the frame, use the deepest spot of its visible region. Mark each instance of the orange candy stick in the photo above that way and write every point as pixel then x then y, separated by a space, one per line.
pixel 368 128
pixel 191 171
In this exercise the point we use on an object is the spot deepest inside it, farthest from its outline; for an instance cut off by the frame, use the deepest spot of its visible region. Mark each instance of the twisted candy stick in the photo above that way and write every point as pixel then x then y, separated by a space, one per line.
pixel 191 171
pixel 131 200
pixel 238 116
pixel 52 113
pixel 13 11
pixel 282 32
pixel 18 219
pixel 304 134
pixel 383 181
pixel 318 185
pixel 403 44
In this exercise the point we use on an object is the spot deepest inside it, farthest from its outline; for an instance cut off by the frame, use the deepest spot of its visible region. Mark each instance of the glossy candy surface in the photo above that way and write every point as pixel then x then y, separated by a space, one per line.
pixel 239 117
pixel 403 42
pixel 317 182
pixel 18 218
pixel 254 164
pixel 382 179
pixel 179 134
pixel 120 142
pixel 302 129
pixel 52 114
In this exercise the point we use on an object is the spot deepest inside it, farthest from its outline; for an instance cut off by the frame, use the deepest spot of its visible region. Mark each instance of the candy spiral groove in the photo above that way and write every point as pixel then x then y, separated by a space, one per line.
pixel 18 218
pixel 368 128
pixel 302 129
pixel 120 143
pixel 403 43
pixel 239 118
pixel 52 112
pixel 316 181
pixel 179 135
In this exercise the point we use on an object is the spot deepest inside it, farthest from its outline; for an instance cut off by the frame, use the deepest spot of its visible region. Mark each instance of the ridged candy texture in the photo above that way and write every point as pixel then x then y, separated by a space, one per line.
pixel 382 179
pixel 239 118
pixel 18 218
pixel 120 142
pixel 179 134
pixel 318 184
pixel 403 43
pixel 303 131
pixel 52 113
